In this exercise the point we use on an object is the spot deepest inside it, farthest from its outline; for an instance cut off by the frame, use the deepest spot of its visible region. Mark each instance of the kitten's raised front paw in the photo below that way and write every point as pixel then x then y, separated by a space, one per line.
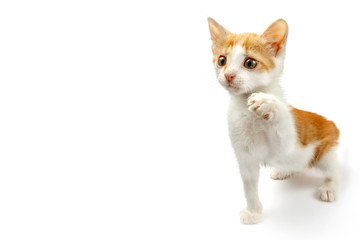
pixel 264 105
pixel 248 217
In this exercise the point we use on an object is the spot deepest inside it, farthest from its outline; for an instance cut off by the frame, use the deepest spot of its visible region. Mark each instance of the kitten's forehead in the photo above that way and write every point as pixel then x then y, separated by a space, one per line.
pixel 238 54
pixel 250 45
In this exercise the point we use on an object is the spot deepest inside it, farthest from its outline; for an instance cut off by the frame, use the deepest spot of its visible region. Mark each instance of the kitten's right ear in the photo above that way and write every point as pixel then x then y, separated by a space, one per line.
pixel 218 33
pixel 276 35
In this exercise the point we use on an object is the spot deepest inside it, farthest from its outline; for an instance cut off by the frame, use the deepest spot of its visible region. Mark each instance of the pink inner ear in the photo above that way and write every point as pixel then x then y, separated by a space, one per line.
pixel 275 46
pixel 218 33
pixel 276 35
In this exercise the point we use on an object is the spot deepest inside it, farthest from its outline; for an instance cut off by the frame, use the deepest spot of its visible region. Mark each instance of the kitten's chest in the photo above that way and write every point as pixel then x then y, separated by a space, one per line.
pixel 246 130
pixel 244 124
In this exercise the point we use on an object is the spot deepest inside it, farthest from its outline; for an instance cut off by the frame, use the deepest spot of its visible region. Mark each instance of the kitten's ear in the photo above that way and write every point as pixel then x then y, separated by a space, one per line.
pixel 276 35
pixel 218 33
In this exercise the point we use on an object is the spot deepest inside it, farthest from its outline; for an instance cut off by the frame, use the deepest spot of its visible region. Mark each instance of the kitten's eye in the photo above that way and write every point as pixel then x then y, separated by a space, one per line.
pixel 250 63
pixel 222 61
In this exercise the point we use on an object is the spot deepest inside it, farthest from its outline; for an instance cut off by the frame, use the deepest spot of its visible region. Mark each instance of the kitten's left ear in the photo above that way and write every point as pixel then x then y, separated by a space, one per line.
pixel 218 33
pixel 276 35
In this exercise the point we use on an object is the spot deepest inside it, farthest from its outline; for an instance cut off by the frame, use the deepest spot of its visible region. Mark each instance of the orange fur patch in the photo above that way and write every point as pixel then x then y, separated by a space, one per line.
pixel 256 48
pixel 313 128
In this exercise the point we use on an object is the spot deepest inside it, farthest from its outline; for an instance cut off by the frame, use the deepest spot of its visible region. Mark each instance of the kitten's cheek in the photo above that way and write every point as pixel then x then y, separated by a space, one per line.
pixel 218 71
pixel 222 81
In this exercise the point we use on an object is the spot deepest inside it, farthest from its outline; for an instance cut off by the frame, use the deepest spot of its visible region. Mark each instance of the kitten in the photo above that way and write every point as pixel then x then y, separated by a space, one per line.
pixel 264 129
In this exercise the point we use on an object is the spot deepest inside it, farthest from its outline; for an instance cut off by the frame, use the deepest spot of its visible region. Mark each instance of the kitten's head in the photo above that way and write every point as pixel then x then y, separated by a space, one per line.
pixel 248 62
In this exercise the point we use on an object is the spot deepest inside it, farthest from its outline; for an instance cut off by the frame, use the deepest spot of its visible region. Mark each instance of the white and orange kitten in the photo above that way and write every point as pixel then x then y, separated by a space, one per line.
pixel 264 129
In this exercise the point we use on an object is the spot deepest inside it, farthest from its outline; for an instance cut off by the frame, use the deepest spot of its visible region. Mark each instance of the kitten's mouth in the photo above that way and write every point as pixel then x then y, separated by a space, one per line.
pixel 231 87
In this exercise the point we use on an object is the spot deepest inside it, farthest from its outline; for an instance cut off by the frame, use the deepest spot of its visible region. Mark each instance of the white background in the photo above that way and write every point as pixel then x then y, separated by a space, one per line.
pixel 113 125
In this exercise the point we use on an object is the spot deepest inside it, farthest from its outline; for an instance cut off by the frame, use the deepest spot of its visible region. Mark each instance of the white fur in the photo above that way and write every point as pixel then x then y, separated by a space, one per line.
pixel 329 166
pixel 262 131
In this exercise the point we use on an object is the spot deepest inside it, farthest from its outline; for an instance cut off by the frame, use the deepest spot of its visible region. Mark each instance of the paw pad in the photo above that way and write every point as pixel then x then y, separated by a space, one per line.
pixel 263 105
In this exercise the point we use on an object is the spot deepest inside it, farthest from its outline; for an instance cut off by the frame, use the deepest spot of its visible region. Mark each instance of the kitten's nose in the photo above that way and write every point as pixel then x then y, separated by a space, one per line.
pixel 229 76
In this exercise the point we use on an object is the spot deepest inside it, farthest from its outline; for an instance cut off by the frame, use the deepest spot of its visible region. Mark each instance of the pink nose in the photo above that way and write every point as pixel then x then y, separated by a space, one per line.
pixel 229 76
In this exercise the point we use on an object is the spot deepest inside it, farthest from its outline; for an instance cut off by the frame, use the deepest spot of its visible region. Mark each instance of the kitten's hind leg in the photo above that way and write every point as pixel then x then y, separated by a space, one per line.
pixel 280 175
pixel 328 165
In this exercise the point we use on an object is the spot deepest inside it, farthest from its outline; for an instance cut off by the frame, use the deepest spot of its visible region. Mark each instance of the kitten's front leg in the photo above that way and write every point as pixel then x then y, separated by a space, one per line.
pixel 264 105
pixel 249 171
pixel 279 123
pixel 278 119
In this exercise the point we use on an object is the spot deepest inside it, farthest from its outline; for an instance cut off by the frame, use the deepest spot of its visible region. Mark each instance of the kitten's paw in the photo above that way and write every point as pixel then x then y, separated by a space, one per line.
pixel 248 217
pixel 279 175
pixel 264 105
pixel 327 193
